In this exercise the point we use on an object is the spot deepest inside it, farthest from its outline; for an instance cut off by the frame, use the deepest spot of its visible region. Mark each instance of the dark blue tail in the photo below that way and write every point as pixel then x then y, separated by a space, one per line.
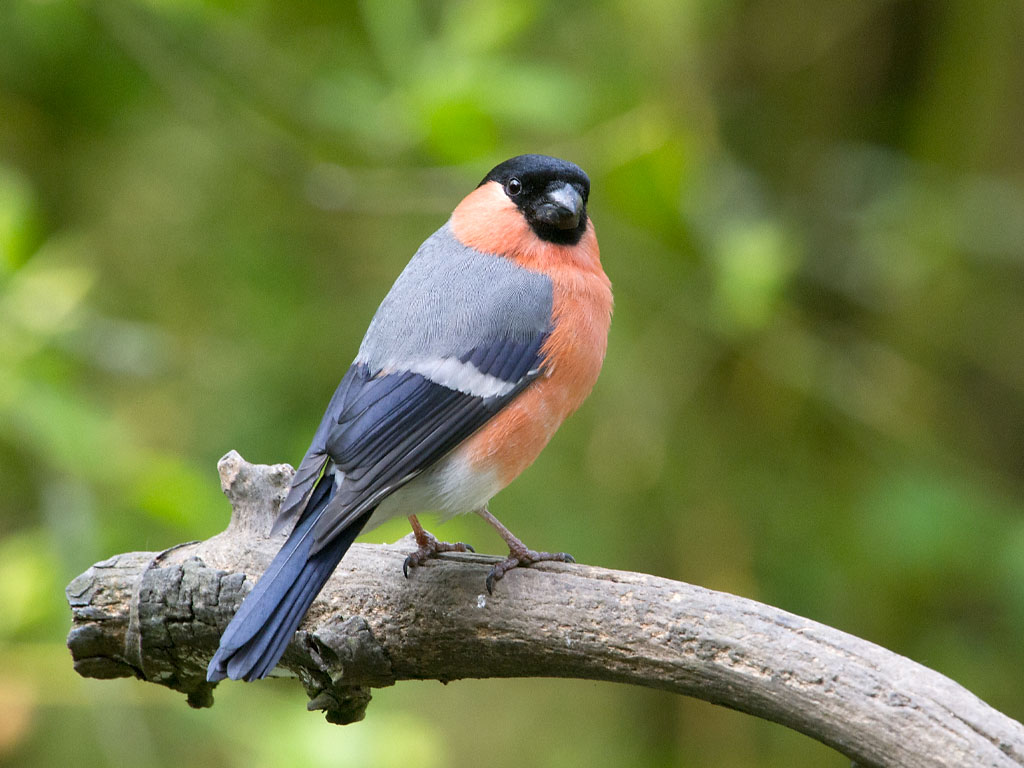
pixel 257 636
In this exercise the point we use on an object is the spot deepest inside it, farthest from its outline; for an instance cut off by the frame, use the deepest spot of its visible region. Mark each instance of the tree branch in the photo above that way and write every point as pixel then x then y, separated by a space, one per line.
pixel 158 617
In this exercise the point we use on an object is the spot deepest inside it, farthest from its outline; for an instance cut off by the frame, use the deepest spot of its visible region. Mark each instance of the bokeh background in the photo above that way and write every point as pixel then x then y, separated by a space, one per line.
pixel 813 216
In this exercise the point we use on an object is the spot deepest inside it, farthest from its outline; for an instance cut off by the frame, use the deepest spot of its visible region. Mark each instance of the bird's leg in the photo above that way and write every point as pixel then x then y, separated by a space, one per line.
pixel 518 553
pixel 428 546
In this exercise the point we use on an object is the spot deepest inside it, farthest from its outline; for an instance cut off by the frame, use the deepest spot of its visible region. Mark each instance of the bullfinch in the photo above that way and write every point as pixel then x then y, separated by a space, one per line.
pixel 492 335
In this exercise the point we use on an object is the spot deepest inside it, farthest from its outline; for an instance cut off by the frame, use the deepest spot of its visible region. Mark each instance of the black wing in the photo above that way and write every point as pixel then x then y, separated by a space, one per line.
pixel 382 430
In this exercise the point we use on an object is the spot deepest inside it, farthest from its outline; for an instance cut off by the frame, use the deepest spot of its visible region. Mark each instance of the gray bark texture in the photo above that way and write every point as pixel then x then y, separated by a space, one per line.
pixel 158 617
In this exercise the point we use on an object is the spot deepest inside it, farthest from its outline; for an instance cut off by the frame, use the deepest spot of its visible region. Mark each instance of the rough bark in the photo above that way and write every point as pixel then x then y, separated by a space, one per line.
pixel 158 616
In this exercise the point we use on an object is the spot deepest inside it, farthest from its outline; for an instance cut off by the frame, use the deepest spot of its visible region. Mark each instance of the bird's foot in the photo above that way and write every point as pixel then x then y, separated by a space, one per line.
pixel 518 556
pixel 429 546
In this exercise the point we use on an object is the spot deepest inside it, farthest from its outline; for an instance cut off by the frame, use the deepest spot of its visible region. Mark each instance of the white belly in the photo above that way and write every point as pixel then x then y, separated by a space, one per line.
pixel 448 488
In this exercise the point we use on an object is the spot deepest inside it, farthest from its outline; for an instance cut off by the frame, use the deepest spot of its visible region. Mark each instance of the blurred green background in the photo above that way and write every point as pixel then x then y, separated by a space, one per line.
pixel 813 216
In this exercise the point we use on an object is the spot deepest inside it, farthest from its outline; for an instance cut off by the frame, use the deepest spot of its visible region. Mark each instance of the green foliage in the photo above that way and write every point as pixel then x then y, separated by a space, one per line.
pixel 814 393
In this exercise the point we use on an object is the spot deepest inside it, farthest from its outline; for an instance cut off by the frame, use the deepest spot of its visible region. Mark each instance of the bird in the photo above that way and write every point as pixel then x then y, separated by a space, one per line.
pixel 490 337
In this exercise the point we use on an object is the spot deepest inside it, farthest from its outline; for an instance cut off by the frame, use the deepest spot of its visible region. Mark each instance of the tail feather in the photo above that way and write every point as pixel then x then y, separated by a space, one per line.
pixel 268 647
pixel 272 588
pixel 260 631
pixel 282 634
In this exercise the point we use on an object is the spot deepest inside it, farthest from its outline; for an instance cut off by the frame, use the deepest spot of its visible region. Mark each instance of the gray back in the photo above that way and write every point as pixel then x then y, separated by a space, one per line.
pixel 450 299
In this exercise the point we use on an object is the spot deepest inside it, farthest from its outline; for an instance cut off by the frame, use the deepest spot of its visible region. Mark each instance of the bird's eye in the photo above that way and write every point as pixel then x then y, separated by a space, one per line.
pixel 514 187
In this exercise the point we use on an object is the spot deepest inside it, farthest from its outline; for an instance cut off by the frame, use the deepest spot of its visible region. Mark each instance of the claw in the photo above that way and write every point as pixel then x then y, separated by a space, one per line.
pixel 518 554
pixel 519 558
pixel 429 547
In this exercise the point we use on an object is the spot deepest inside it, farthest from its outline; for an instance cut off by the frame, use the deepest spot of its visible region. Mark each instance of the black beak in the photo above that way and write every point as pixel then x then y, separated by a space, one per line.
pixel 560 208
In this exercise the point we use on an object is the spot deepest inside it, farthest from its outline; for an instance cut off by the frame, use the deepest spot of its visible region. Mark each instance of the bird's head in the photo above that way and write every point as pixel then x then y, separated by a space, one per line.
pixel 529 207
pixel 551 194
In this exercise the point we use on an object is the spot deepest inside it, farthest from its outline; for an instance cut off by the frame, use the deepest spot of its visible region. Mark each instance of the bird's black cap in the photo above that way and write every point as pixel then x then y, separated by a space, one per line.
pixel 551 193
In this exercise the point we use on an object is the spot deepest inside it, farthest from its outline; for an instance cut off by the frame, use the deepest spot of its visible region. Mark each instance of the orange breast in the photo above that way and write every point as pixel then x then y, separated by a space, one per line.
pixel 488 221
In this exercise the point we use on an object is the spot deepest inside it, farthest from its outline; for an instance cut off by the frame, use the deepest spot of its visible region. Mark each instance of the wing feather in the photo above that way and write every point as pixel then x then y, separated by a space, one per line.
pixel 390 427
